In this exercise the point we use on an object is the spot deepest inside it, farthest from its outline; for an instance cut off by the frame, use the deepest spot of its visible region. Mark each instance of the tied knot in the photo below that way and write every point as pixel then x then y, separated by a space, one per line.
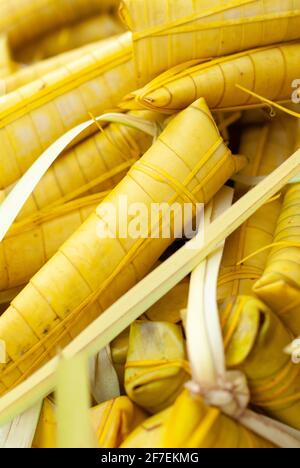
pixel 230 394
